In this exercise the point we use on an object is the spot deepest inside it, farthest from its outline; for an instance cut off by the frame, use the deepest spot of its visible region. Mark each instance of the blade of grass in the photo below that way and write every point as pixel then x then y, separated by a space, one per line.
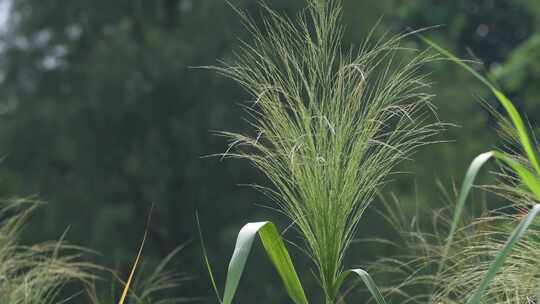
pixel 137 259
pixel 527 177
pixel 503 99
pixel 466 187
pixel 133 269
pixel 520 126
pixel 503 253
pixel 206 260
pixel 277 252
pixel 368 281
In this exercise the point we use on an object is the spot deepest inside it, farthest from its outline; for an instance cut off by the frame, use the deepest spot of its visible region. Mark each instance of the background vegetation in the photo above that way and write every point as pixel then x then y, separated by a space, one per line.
pixel 101 116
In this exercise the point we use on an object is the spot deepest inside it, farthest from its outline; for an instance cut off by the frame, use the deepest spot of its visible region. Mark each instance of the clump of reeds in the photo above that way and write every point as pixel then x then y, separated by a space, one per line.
pixel 330 122
pixel 40 273
pixel 37 273
pixel 431 272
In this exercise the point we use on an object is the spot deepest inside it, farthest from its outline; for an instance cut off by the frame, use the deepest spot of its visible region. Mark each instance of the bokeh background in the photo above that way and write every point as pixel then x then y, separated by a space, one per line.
pixel 103 112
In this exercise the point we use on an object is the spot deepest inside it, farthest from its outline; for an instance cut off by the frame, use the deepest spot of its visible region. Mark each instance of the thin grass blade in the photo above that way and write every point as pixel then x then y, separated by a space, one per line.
pixel 466 187
pixel 368 281
pixel 137 259
pixel 526 176
pixel 503 99
pixel 207 260
pixel 133 269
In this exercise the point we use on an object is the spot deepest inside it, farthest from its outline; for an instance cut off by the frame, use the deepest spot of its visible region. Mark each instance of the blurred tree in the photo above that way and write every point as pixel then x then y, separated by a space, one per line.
pixel 488 28
pixel 484 30
pixel 101 115
pixel 492 31
pixel 520 76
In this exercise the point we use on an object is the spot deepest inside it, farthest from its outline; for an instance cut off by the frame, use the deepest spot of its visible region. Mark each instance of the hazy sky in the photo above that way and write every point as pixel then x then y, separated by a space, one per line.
pixel 4 13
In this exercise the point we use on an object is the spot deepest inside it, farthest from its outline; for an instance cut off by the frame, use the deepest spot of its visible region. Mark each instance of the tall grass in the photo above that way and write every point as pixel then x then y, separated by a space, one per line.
pixel 159 284
pixel 34 274
pixel 330 123
pixel 485 260
pixel 526 169
pixel 418 277
pixel 41 273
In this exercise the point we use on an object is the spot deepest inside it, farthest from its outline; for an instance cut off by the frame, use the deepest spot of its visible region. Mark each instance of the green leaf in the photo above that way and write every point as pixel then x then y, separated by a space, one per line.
pixel 277 252
pixel 526 143
pixel 526 176
pixel 530 179
pixel 503 253
pixel 368 281
pixel 466 187
pixel 516 119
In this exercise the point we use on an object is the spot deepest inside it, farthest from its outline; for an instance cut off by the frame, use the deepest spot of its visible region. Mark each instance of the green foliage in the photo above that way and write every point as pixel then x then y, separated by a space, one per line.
pixel 517 121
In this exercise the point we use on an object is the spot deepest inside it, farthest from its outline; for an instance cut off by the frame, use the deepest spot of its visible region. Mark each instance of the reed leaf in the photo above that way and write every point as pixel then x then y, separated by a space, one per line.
pixel 367 280
pixel 516 119
pixel 466 187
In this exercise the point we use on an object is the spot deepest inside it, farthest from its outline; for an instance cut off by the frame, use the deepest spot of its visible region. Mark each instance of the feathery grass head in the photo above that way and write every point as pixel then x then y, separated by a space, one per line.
pixel 330 122
pixel 34 274
pixel 39 273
